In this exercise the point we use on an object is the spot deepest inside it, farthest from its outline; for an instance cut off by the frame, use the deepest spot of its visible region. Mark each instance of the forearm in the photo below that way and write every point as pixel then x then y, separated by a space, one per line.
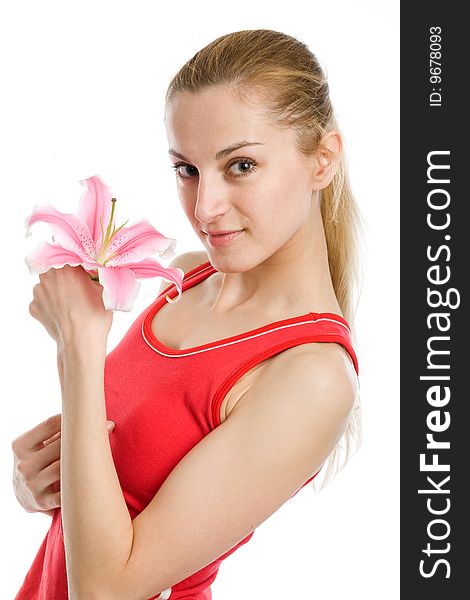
pixel 96 522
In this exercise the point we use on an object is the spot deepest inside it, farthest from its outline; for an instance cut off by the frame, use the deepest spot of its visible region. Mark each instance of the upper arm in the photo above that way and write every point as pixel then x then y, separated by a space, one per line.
pixel 185 261
pixel 240 473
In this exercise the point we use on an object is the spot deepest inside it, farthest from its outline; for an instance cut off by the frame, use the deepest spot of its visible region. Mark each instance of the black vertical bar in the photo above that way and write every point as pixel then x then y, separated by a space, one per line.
pixel 435 268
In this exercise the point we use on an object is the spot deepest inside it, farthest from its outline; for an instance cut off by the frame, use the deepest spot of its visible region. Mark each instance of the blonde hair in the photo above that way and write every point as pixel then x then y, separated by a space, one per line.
pixel 286 76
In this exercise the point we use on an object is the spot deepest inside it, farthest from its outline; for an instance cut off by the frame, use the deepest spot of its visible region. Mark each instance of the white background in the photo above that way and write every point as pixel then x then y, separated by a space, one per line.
pixel 83 88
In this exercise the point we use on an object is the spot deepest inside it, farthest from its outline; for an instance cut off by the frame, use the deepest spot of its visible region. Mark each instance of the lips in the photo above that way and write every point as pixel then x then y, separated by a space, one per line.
pixel 221 231
pixel 217 239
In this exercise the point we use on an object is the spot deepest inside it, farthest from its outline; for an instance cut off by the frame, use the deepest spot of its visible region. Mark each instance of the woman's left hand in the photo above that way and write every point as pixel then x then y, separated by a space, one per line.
pixel 70 305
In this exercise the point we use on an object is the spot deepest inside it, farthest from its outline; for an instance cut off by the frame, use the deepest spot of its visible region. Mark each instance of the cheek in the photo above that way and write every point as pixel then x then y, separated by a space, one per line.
pixel 280 201
pixel 187 201
pixel 285 209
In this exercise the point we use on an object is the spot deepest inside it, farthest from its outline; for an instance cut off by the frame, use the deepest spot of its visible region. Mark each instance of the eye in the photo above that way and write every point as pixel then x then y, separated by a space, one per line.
pixel 177 167
pixel 245 163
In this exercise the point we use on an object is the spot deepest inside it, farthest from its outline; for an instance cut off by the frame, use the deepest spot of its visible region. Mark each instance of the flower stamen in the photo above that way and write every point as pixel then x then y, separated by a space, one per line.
pixel 109 236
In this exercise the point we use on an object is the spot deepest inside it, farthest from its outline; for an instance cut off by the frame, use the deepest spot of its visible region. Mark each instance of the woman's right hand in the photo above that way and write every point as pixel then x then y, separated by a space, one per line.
pixel 36 469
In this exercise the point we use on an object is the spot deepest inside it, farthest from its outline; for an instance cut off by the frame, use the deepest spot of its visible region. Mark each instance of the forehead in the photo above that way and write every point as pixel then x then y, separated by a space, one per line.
pixel 215 117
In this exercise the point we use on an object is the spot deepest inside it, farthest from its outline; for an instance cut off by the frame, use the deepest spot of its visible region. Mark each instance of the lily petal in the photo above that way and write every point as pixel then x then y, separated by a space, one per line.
pixel 152 268
pixel 46 256
pixel 95 203
pixel 120 288
pixel 67 230
pixel 137 242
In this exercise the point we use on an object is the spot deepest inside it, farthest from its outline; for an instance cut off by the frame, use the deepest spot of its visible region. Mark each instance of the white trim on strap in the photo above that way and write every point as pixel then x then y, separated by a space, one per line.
pixel 249 337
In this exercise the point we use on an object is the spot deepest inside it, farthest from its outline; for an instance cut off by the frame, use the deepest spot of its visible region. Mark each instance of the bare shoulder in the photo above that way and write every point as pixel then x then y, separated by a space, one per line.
pixel 312 373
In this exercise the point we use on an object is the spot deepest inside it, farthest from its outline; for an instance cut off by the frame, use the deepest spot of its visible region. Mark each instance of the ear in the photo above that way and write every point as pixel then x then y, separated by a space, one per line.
pixel 327 158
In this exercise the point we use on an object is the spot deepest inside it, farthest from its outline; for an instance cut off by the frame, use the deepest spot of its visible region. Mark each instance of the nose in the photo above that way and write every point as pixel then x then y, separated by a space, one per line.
pixel 212 200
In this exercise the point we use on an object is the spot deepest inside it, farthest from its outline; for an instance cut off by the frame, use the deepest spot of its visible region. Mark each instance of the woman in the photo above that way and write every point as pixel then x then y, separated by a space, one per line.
pixel 229 401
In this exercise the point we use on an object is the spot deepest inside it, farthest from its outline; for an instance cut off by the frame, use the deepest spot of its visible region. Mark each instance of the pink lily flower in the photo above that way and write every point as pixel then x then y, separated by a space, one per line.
pixel 115 257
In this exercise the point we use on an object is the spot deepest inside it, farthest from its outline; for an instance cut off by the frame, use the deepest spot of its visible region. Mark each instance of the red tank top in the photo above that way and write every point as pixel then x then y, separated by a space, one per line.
pixel 163 402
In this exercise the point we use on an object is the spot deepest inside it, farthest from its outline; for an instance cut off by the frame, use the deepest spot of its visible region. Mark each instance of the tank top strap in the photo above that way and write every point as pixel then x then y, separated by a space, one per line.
pixel 311 328
pixel 198 273
pixel 190 278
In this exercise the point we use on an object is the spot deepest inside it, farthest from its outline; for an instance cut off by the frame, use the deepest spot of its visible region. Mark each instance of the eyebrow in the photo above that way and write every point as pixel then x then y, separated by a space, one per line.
pixel 224 152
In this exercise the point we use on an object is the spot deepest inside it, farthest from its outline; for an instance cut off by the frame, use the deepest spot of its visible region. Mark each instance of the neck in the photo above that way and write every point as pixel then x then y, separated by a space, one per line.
pixel 294 280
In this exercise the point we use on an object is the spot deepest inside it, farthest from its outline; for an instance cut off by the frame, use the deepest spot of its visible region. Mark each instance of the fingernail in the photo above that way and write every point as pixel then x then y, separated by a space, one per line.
pixel 110 425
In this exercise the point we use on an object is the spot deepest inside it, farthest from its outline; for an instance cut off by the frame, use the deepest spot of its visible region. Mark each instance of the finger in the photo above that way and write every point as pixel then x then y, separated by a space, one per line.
pixel 54 487
pixel 48 501
pixel 50 476
pixel 53 500
pixel 33 438
pixel 45 456
pixel 51 439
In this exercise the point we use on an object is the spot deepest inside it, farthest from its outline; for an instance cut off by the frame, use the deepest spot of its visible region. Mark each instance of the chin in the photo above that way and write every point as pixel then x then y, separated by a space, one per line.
pixel 232 262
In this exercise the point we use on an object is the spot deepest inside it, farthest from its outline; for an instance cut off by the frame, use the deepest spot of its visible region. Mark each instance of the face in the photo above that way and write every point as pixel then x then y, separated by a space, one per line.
pixel 263 189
